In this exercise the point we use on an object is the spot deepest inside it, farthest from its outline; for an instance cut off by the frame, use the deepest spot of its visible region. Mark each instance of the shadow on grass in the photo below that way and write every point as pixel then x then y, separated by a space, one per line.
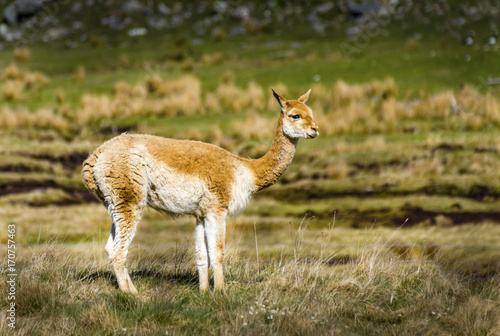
pixel 179 277
pixel 182 278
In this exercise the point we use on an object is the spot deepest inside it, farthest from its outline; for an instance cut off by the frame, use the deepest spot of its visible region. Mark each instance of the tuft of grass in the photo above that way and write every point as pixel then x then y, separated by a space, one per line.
pixel 12 90
pixel 187 65
pixel 124 62
pixel 412 44
pixel 13 72
pixel 212 59
pixel 34 81
pixel 22 54
pixel 78 74
pixel 253 127
pixel 218 34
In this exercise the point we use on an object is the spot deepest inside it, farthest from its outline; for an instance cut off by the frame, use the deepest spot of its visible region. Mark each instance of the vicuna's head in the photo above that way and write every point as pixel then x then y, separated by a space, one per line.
pixel 297 117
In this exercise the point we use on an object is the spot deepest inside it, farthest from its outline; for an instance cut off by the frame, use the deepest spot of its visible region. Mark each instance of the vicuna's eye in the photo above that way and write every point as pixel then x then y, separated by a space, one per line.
pixel 295 117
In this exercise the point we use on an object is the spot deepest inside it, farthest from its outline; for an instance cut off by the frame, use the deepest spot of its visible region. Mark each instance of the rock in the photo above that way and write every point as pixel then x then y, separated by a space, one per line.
pixel 9 34
pixel 77 6
pixel 27 8
pixel 139 31
pixel 22 9
pixel 132 7
pixel 357 10
pixel 196 41
pixel 78 25
pixel 156 22
pixel 117 22
pixel 56 33
pixel 163 9
pixel 10 14
pixel 71 44
pixel 242 12
pixel 237 30
pixel 220 7
pixel 324 8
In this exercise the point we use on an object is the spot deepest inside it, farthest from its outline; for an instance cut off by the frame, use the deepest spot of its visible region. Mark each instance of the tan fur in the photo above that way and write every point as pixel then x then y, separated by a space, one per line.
pixel 269 168
pixel 187 177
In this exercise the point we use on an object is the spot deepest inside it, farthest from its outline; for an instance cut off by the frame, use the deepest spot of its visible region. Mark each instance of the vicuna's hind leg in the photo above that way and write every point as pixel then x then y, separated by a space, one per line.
pixel 202 261
pixel 125 221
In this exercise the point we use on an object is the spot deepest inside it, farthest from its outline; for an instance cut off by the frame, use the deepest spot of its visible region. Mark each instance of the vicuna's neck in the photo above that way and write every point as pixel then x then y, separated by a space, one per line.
pixel 269 168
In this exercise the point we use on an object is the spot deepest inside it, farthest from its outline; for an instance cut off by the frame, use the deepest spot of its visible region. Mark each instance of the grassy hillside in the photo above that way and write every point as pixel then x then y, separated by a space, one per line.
pixel 387 222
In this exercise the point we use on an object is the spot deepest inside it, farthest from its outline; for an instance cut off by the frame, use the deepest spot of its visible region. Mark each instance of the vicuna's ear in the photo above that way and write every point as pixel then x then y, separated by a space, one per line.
pixel 281 100
pixel 304 97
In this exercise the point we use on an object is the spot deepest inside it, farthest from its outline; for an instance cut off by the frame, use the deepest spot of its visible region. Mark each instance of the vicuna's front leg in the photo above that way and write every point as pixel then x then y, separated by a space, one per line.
pixel 215 232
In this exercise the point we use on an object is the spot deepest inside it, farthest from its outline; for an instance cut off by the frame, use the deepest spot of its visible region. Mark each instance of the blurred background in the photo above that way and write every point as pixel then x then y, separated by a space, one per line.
pixel 406 95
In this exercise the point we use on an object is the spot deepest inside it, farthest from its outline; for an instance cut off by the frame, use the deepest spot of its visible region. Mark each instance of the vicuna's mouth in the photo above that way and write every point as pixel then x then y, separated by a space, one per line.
pixel 313 135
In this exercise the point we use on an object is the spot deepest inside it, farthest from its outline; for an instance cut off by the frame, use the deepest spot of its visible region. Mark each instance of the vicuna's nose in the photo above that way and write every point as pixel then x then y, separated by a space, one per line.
pixel 315 128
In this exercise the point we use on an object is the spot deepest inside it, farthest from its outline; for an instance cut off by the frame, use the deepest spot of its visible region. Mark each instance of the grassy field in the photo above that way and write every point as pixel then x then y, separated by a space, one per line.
pixel 385 224
pixel 288 295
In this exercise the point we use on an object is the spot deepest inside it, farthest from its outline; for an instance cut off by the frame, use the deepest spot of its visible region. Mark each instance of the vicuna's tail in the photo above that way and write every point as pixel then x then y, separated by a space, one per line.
pixel 88 174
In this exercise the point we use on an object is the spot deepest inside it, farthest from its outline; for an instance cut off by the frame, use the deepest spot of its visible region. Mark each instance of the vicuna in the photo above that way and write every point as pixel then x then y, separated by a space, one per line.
pixel 178 177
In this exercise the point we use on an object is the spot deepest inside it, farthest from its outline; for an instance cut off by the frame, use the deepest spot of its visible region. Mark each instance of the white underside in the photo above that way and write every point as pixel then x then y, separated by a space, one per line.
pixel 174 193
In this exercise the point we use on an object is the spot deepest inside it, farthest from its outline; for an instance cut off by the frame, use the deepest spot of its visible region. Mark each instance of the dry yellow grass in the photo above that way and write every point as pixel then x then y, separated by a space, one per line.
pixel 370 108
pixel 187 65
pixel 12 72
pixel 22 54
pixel 35 81
pixel 254 126
pixel 16 80
pixel 44 118
pixel 8 119
pixel 12 90
pixel 152 84
pixel 123 61
pixel 60 96
pixel 94 109
pixel 212 59
pixel 79 74
pixel 412 44
pixel 338 169
pixel 374 144
pixel 231 97
pixel 211 103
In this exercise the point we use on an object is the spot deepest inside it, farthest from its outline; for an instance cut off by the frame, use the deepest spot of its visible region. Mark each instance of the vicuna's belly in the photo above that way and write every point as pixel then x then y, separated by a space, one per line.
pixel 175 194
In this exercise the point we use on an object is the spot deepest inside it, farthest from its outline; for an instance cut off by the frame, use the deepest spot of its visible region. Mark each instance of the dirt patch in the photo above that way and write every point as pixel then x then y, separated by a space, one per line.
pixel 418 215
pixel 407 215
pixel 69 162
pixel 447 147
pixel 19 169
pixel 315 192
pixel 78 195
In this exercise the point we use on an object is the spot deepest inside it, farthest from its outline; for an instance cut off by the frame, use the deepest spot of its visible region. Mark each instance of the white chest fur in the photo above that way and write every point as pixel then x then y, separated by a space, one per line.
pixel 241 189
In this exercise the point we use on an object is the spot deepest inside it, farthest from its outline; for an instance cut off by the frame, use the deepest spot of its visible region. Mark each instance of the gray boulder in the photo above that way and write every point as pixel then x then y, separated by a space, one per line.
pixel 18 10
pixel 10 14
